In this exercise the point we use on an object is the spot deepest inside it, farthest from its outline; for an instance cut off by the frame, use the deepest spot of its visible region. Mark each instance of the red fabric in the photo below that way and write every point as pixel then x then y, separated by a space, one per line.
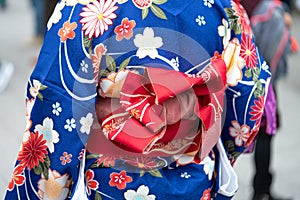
pixel 140 124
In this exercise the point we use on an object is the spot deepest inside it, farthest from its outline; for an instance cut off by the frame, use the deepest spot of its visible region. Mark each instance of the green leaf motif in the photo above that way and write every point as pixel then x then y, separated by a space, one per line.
pixel 124 64
pixel 92 156
pixel 248 73
pixel 98 196
pixel 142 173
pixel 87 42
pixel 40 96
pixel 233 21
pixel 156 173
pixel 103 72
pixel 110 63
pixel 145 12
pixel 38 170
pixel 45 172
pixel 43 87
pixel 158 2
pixel 47 161
pixel 158 12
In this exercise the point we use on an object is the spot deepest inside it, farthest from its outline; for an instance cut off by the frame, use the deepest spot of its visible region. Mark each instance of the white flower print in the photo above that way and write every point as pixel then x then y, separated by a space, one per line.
pixel 34 89
pixel 147 44
pixel 185 175
pixel 70 124
pixel 208 3
pixel 200 20
pixel 50 135
pixel 224 31
pixel 121 1
pixel 141 193
pixel 209 166
pixel 97 16
pixel 86 123
pixel 56 108
pixel 84 66
pixel 56 16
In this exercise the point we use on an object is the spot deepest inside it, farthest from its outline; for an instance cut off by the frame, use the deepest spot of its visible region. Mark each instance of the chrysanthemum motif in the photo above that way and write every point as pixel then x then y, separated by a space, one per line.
pixel 248 51
pixel 33 151
pixel 97 16
pixel 147 44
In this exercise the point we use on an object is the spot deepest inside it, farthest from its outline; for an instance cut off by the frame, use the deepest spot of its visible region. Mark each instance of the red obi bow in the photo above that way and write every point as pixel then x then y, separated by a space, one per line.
pixel 163 113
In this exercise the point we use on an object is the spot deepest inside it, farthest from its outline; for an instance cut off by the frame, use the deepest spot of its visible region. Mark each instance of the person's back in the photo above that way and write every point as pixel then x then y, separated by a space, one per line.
pixel 127 98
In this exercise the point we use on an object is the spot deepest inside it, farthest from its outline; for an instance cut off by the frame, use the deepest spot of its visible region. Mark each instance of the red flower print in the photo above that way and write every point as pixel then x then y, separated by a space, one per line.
pixel 67 31
pixel 142 4
pixel 90 182
pixel 97 16
pixel 142 162
pixel 82 152
pixel 206 195
pixel 119 180
pixel 106 161
pixel 240 133
pixel 248 52
pixel 17 177
pixel 125 29
pixel 66 158
pixel 33 151
pixel 257 109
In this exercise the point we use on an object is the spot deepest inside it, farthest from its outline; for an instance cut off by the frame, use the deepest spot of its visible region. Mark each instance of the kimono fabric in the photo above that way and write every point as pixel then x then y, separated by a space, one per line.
pixel 151 99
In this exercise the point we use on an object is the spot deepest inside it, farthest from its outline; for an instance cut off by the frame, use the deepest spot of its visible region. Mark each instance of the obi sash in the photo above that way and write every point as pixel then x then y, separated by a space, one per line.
pixel 162 113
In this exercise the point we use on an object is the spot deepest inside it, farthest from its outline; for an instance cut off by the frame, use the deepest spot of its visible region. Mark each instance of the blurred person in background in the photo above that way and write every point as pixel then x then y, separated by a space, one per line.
pixel 85 139
pixel 271 21
pixel 3 4
pixel 38 7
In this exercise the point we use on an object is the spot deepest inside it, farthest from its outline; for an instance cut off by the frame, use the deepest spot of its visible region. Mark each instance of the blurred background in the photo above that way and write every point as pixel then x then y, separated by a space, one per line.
pixel 19 47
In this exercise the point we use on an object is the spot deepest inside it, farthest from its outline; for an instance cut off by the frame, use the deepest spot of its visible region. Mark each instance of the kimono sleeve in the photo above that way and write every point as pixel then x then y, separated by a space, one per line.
pixel 248 78
pixel 59 112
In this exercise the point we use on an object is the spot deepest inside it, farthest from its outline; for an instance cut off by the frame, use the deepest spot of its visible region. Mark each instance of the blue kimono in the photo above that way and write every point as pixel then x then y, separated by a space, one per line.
pixel 102 102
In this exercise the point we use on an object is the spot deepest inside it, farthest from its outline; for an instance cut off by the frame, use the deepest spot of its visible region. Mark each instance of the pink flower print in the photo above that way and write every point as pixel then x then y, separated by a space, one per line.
pixel 240 133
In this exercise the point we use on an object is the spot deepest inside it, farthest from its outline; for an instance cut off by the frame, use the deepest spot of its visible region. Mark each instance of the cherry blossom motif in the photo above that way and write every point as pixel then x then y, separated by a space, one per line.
pixel 56 109
pixel 55 187
pixel 49 134
pixel 206 195
pixel 119 179
pixel 33 151
pixel 225 32
pixel 208 3
pixel 67 31
pixel 147 44
pixel 17 177
pixel 125 29
pixel 209 166
pixel 142 4
pixel 65 158
pixel 97 16
pixel 257 109
pixel 112 85
pixel 91 184
pixel 240 133
pixel 86 123
pixel 70 124
pixel 248 52
pixel 141 193
pixel 99 51
pixel 34 89
pixel 234 62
